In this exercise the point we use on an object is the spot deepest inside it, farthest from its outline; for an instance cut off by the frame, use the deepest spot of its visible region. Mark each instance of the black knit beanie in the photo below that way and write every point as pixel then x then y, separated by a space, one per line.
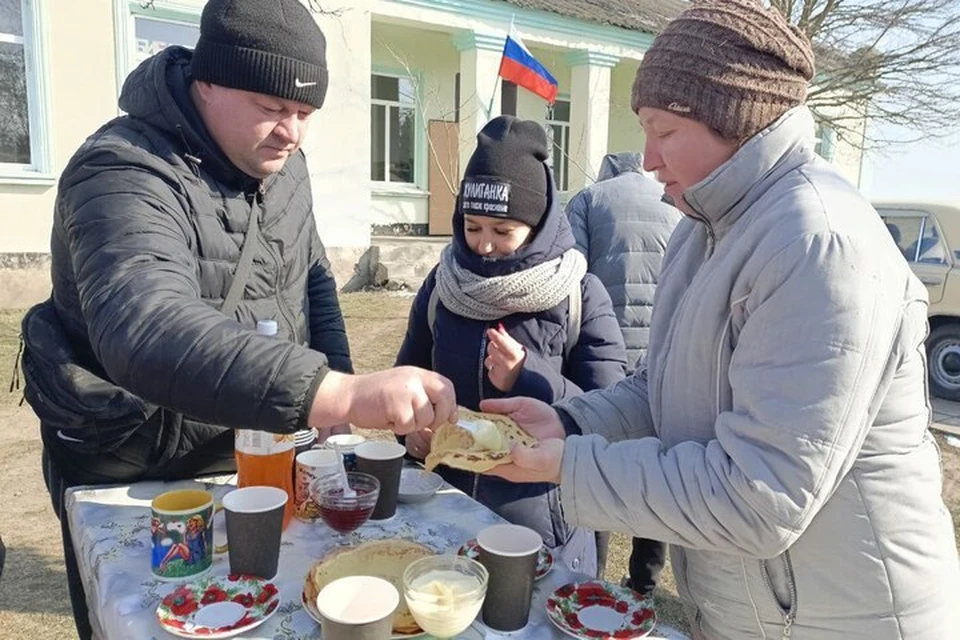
pixel 272 47
pixel 506 176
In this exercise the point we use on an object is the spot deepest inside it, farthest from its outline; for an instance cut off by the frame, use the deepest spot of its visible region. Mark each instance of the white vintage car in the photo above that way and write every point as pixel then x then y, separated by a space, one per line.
pixel 928 235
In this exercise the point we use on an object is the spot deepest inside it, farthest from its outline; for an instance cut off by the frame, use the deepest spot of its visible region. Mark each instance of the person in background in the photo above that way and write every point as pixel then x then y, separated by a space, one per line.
pixel 777 437
pixel 622 226
pixel 140 366
pixel 502 297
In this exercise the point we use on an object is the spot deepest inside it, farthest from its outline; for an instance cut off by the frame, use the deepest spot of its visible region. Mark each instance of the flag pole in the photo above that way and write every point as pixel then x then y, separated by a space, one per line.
pixel 498 81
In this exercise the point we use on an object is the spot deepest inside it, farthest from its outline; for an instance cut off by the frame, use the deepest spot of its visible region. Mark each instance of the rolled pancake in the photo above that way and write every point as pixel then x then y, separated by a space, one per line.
pixel 456 448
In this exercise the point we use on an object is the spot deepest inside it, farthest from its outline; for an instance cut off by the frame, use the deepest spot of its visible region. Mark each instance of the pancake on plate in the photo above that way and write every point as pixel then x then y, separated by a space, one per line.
pixel 458 448
pixel 385 559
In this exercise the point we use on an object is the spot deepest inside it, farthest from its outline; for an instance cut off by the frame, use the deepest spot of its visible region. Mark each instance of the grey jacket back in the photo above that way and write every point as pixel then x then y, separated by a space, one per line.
pixel 150 218
pixel 777 435
pixel 622 227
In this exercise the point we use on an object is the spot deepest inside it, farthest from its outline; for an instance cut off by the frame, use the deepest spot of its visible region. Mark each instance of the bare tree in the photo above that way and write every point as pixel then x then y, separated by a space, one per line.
pixel 897 61
pixel 318 7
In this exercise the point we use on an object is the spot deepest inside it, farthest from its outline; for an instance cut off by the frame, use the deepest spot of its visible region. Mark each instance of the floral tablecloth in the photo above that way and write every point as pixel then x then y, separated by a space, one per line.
pixel 111 535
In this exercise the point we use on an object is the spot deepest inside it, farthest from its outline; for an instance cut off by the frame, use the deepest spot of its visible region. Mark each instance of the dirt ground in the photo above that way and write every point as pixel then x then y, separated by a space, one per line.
pixel 33 596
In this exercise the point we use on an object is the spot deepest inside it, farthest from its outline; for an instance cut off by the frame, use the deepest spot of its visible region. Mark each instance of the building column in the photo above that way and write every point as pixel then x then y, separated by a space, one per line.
pixel 479 86
pixel 589 114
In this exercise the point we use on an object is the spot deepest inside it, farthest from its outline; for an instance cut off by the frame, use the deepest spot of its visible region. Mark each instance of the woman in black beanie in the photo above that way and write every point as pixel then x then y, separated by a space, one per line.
pixel 495 316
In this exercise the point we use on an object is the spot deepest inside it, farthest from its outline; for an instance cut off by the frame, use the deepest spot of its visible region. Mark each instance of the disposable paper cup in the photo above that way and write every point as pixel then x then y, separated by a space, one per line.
pixel 509 552
pixel 383 460
pixel 347 442
pixel 357 608
pixel 254 524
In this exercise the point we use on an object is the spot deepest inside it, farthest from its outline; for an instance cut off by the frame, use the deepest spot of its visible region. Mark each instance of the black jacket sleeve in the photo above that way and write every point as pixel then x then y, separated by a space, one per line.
pixel 328 334
pixel 417 347
pixel 125 222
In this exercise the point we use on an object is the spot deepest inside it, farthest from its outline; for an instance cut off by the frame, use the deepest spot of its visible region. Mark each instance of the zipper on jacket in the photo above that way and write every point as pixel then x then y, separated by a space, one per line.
pixel 685 572
pixel 789 614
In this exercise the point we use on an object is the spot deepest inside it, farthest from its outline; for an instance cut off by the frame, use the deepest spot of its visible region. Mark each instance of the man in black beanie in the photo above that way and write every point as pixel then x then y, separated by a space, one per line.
pixel 177 228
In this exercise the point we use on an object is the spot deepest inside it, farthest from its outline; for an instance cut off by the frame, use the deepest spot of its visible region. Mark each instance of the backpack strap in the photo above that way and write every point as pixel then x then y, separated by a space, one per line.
pixel 432 320
pixel 574 311
pixel 242 275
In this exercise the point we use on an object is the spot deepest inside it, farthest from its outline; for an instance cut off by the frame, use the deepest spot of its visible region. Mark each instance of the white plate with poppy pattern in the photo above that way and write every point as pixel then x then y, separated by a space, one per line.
pixel 598 609
pixel 218 607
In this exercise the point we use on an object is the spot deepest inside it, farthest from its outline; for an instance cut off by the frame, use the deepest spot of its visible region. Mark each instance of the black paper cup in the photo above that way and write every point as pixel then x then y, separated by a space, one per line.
pixel 254 524
pixel 384 461
pixel 509 552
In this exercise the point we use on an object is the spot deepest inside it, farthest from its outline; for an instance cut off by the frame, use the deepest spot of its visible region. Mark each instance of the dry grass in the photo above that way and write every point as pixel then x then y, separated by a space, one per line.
pixel 33 596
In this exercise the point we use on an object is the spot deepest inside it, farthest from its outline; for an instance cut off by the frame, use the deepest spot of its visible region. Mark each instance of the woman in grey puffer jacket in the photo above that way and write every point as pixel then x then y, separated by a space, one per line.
pixel 777 434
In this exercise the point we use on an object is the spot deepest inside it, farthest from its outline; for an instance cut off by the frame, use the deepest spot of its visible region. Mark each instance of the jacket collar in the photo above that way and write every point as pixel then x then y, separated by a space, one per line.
pixel 721 198
pixel 158 92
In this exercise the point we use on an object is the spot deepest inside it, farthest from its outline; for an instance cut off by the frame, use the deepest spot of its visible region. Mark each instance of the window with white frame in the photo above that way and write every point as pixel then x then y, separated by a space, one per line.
pixel 393 118
pixel 22 110
pixel 558 135
pixel 153 35
pixel 826 142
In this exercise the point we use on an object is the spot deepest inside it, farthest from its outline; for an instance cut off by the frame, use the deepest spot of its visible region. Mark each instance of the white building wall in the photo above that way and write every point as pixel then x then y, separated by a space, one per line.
pixel 338 145
pixel 80 102
pixel 625 131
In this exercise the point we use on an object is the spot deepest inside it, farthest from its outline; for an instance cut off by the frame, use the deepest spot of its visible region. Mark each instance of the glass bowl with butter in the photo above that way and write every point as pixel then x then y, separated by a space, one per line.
pixel 445 593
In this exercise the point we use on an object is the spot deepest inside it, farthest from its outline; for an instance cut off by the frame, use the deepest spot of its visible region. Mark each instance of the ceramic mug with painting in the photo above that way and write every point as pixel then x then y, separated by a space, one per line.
pixel 181 528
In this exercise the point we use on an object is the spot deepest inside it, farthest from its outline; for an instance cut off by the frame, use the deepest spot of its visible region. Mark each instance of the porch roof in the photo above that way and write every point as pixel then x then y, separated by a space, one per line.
pixel 644 15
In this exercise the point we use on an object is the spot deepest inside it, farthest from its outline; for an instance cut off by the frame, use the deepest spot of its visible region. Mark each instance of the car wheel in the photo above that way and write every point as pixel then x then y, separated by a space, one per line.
pixel 943 359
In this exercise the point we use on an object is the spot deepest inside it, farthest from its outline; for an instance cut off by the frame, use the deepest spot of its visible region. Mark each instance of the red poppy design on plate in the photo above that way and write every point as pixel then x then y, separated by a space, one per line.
pixel 244 599
pixel 573 608
pixel 181 602
pixel 214 594
pixel 259 598
pixel 573 621
pixel 268 592
pixel 565 591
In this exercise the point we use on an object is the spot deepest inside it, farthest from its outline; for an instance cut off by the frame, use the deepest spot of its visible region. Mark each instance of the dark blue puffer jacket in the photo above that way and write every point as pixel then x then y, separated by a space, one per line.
pixel 457 349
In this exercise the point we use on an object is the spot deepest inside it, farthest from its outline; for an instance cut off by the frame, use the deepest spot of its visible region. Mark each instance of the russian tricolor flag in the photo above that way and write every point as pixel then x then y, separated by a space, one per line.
pixel 520 67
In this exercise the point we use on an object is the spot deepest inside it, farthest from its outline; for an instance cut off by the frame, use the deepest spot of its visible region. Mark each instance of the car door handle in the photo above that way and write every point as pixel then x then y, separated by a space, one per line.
pixel 931 280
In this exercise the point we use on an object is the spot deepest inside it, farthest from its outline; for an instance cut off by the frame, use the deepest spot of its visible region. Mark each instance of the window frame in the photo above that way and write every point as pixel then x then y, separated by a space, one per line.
pixel 36 62
pixel 387 183
pixel 926 220
pixel 825 143
pixel 126 13
pixel 561 175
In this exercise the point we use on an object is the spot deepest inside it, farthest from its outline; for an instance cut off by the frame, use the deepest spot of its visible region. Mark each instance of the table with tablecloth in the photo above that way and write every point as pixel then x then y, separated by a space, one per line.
pixel 111 535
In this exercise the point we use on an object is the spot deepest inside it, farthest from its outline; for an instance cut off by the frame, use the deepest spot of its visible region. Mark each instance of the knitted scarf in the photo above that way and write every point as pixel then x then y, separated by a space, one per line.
pixel 532 290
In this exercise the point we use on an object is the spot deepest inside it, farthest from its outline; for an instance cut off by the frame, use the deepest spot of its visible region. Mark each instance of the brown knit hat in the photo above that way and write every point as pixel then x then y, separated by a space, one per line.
pixel 733 65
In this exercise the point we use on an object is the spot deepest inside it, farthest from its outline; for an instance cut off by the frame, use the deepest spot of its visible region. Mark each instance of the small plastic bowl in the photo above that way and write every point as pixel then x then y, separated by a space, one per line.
pixel 442 616
pixel 418 485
